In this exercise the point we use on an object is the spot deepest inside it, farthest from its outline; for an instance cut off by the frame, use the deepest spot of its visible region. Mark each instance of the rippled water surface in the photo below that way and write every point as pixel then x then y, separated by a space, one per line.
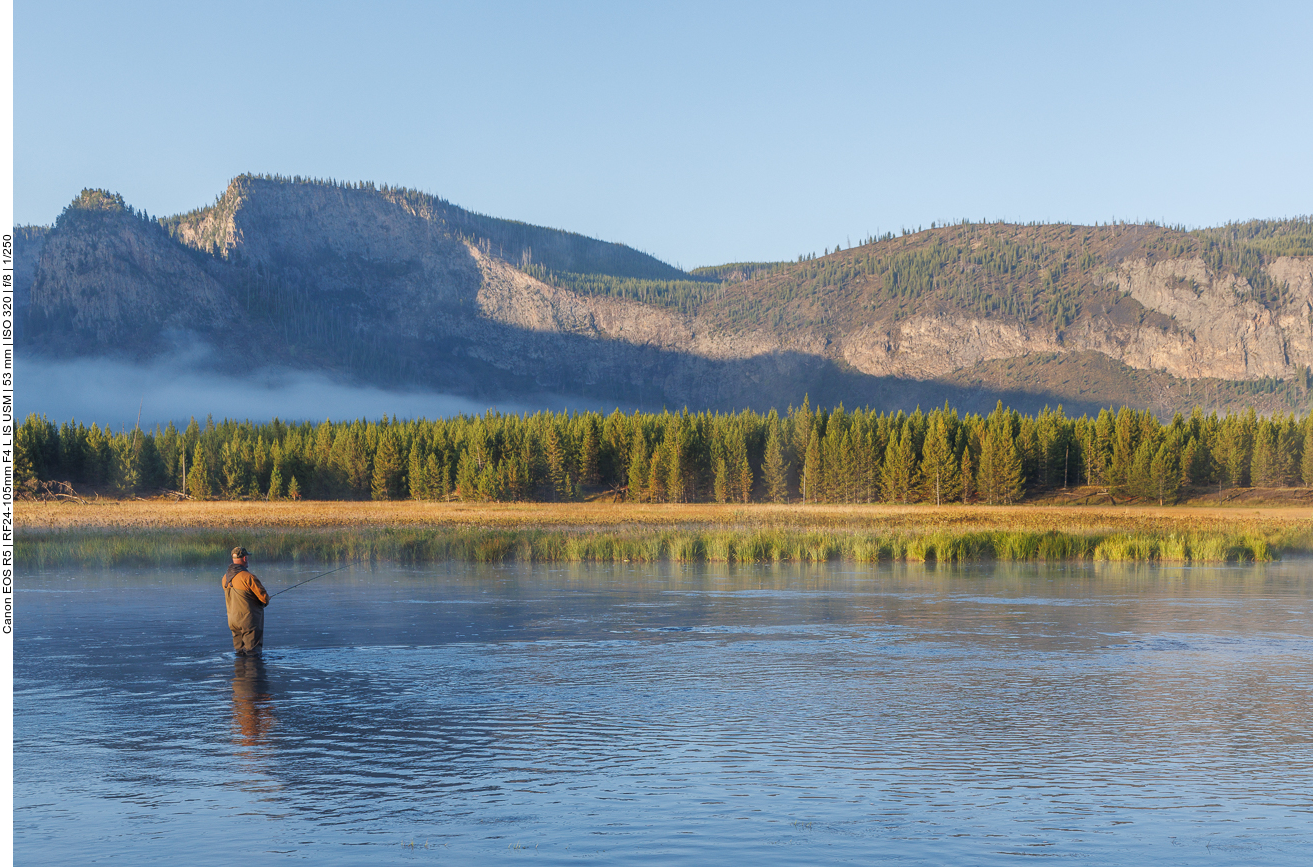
pixel 458 714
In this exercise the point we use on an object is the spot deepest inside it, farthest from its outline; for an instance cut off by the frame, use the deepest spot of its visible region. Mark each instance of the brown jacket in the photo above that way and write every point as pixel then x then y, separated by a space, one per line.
pixel 245 597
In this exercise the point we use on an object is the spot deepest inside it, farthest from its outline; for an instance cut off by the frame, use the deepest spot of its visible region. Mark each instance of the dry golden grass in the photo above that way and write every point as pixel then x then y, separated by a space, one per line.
pixel 38 518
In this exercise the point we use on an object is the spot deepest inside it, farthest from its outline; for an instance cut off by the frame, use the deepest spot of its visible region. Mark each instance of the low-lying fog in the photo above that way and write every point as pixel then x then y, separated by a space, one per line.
pixel 111 393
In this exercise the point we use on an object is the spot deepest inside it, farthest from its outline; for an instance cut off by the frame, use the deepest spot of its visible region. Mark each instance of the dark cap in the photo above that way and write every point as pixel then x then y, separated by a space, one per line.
pixel 239 552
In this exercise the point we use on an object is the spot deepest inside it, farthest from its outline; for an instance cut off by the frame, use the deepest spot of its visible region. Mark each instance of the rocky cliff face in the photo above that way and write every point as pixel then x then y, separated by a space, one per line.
pixel 1220 332
pixel 388 287
pixel 654 354
pixel 108 279
pixel 1209 326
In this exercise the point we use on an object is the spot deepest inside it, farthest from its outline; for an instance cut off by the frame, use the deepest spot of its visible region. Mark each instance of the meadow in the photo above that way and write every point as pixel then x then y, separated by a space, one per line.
pixel 139 532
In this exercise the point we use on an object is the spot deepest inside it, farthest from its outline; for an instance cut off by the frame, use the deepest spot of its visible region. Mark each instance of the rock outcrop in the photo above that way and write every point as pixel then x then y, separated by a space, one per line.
pixel 1208 327
pixel 109 280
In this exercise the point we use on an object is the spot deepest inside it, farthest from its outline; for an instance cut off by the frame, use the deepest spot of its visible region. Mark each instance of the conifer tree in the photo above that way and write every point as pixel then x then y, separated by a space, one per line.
pixel 638 469
pixel 556 469
pixel 1247 427
pixel 100 457
pixel 802 422
pixel 1264 468
pixel 1099 449
pixel 351 470
pixel 898 476
pixel 1125 441
pixel 589 454
pixel 263 466
pixel 199 486
pixel 720 487
pixel 873 464
pixel 655 489
pixel 467 478
pixel 745 479
pixel 1141 483
pixel 676 460
pixel 435 474
pixel 1289 443
pixel 1165 473
pixel 235 468
pixel 1235 453
pixel 386 481
pixel 30 448
pixel 999 475
pixel 1028 446
pixel 968 477
pixel 126 451
pixel 489 485
pixel 524 472
pixel 1306 463
pixel 739 477
pixel 774 467
pixel 940 470
pixel 277 474
pixel 846 476
pixel 417 474
pixel 811 472
pixel 830 486
pixel 616 446
pixel 1050 435
pixel 1189 458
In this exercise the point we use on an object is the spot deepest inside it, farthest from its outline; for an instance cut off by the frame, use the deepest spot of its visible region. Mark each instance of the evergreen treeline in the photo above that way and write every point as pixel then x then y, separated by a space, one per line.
pixel 735 272
pixel 684 295
pixel 836 456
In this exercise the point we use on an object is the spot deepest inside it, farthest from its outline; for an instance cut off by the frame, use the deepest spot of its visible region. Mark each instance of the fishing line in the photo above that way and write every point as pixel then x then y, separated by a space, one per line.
pixel 308 580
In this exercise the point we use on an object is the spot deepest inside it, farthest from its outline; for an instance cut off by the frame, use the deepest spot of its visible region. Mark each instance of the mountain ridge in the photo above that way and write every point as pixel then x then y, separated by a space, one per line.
pixel 398 288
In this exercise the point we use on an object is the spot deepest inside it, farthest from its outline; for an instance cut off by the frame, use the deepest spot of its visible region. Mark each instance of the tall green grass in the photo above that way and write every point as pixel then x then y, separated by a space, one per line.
pixel 639 545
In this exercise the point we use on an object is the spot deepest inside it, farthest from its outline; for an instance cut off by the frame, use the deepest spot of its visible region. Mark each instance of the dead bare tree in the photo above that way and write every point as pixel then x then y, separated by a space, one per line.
pixel 48 491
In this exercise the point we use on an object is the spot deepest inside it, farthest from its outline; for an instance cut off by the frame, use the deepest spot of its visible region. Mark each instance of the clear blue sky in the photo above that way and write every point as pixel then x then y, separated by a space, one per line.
pixel 701 133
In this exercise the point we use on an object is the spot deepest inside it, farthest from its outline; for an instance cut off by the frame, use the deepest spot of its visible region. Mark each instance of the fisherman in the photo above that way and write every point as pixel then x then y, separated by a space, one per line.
pixel 246 598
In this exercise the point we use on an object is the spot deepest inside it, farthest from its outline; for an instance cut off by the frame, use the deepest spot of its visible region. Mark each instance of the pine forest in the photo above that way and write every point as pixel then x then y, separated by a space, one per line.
pixel 804 455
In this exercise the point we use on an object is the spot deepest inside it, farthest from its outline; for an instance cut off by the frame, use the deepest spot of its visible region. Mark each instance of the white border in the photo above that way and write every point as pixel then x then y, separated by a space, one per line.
pixel 7 427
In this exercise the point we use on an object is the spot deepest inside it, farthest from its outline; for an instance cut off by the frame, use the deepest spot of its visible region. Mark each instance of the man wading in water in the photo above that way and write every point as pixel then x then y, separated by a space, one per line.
pixel 246 598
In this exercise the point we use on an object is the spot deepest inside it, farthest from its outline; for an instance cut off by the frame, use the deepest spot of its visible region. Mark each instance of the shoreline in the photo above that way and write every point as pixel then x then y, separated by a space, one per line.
pixel 134 532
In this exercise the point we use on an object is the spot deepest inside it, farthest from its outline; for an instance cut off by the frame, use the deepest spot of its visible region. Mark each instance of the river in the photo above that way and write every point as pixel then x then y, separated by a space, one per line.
pixel 462 714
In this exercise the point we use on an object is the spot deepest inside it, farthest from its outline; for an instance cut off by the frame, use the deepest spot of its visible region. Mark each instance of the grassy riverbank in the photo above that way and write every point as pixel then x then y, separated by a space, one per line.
pixel 165 533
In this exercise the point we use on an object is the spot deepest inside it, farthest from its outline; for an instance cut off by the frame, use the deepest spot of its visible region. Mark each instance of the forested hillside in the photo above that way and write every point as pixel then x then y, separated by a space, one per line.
pixel 1043 274
pixel 836 456
pixel 1048 275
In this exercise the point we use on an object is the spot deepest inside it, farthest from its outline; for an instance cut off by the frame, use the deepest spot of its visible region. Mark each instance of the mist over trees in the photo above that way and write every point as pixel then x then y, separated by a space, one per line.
pixel 804 455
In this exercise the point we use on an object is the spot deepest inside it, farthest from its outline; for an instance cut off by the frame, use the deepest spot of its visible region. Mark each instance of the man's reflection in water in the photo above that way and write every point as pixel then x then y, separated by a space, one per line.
pixel 253 707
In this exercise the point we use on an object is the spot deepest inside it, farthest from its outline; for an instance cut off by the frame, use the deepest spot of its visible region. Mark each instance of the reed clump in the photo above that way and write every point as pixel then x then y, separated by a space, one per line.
pixel 168 547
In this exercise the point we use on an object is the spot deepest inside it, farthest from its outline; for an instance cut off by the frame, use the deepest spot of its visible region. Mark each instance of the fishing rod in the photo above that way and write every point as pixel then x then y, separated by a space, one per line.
pixel 308 580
